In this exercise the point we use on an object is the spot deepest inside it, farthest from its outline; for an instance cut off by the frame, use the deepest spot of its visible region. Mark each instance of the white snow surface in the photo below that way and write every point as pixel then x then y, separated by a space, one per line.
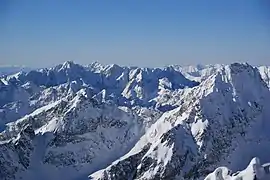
pixel 253 171
pixel 80 122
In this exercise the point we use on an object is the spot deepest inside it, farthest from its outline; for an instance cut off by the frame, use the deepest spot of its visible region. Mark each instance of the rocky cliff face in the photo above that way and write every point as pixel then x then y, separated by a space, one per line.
pixel 112 122
pixel 253 171
pixel 214 122
pixel 265 73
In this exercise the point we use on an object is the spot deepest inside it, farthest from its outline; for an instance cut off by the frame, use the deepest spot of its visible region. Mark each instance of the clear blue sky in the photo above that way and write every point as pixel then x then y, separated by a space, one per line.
pixel 134 32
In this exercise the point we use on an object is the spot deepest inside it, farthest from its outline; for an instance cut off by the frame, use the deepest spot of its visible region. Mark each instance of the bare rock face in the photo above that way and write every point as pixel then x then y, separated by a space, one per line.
pixel 214 122
pixel 113 123
pixel 253 171
pixel 15 154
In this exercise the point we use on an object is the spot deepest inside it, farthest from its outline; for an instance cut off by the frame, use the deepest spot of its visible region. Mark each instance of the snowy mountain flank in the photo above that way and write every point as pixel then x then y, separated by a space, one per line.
pixel 253 171
pixel 8 70
pixel 107 122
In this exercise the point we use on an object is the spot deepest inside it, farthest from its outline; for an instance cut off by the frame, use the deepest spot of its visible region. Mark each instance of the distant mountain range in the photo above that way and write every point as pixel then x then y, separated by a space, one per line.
pixel 7 70
pixel 108 122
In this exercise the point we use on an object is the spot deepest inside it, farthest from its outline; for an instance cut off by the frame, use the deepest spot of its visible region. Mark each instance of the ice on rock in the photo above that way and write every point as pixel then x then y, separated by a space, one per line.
pixel 114 122
pixel 254 171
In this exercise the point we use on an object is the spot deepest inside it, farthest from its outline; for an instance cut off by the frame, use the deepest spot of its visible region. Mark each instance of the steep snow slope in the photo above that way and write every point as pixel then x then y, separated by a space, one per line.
pixel 23 92
pixel 20 100
pixel 254 171
pixel 265 73
pixel 201 72
pixel 126 82
pixel 70 137
pixel 218 120
pixel 114 122
pixel 145 84
pixel 7 70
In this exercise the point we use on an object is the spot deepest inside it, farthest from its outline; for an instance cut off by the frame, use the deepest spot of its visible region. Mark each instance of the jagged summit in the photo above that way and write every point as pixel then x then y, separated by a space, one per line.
pixel 115 122
pixel 253 171
pixel 203 131
pixel 68 64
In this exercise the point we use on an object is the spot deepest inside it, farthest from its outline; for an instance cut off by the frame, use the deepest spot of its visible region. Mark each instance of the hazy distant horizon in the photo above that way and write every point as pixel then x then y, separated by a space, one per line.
pixel 134 33
pixel 142 66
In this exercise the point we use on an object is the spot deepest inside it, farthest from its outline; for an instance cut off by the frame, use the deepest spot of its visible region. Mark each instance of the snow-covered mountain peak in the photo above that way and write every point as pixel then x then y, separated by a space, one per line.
pixel 96 66
pixel 68 65
pixel 265 73
pixel 204 130
pixel 198 72
pixel 117 122
pixel 255 170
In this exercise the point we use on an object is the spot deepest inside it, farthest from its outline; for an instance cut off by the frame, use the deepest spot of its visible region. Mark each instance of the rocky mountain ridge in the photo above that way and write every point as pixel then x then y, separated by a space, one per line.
pixel 112 122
